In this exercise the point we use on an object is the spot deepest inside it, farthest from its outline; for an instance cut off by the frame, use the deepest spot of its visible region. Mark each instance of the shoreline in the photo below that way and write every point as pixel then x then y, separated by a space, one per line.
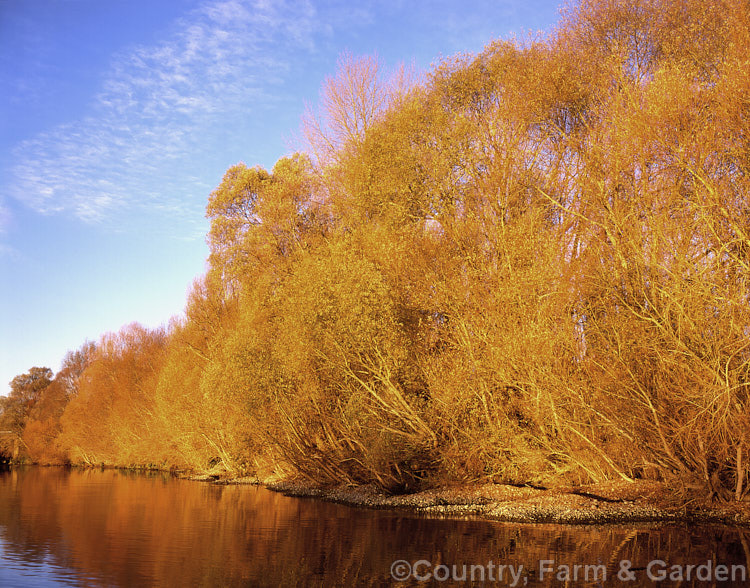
pixel 602 504
pixel 608 503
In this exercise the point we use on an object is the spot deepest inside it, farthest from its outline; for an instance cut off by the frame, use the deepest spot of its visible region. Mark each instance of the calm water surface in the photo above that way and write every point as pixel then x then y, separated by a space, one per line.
pixel 108 528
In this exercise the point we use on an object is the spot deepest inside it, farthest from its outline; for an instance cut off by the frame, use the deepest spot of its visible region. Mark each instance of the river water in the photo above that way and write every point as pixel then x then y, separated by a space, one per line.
pixel 63 527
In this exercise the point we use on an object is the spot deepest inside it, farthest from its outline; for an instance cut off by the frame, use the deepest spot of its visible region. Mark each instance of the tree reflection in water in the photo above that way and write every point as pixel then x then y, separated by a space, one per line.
pixel 125 529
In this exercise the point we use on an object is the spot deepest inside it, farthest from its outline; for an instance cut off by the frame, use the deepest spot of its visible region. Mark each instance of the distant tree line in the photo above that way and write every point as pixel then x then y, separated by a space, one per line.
pixel 529 266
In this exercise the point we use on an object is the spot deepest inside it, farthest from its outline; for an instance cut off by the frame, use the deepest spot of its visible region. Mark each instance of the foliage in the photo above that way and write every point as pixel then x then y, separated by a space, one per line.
pixel 530 266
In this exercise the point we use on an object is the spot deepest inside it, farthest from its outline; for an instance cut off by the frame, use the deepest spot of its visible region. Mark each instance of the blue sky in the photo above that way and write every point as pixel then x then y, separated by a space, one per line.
pixel 118 118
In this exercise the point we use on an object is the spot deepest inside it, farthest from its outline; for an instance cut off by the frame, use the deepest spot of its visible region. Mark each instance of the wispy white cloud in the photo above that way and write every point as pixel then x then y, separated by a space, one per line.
pixel 161 108
pixel 7 251
pixel 5 217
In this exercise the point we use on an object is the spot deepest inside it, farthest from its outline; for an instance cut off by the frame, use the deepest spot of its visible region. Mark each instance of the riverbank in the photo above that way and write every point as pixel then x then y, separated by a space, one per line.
pixel 611 502
pixel 608 503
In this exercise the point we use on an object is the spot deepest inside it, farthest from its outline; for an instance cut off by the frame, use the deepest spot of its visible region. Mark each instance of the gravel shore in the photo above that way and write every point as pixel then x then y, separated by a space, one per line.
pixel 614 502
pixel 607 503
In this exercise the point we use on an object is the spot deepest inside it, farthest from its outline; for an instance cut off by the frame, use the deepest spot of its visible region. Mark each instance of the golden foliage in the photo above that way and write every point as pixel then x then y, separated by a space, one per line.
pixel 531 266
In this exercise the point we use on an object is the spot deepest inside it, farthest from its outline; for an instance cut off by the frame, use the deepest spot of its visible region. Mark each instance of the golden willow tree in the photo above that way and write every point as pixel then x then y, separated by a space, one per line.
pixel 530 266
